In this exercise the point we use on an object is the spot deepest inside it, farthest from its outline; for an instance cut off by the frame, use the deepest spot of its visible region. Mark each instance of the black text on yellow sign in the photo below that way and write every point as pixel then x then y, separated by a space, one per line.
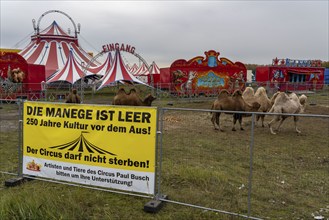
pixel 48 113
pixel 109 136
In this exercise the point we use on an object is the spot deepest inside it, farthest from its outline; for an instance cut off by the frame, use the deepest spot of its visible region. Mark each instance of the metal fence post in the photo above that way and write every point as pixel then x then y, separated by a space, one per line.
pixel 159 153
pixel 20 136
pixel 251 162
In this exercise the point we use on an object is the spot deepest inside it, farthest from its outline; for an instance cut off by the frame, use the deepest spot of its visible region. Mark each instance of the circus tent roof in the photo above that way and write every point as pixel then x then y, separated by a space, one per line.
pixel 118 73
pixel 154 68
pixel 134 68
pixel 54 29
pixel 142 70
pixel 71 72
pixel 104 68
pixel 51 47
pixel 128 67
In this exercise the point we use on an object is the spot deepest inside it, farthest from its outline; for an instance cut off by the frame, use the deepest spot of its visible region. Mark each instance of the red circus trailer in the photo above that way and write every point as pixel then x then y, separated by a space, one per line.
pixel 18 78
pixel 204 75
pixel 292 75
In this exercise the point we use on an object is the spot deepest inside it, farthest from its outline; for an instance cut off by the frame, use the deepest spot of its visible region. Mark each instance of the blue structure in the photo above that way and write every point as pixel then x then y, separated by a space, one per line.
pixel 326 76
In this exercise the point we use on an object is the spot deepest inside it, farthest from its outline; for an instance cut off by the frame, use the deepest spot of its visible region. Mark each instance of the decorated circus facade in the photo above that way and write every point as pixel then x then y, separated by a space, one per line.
pixel 292 74
pixel 205 75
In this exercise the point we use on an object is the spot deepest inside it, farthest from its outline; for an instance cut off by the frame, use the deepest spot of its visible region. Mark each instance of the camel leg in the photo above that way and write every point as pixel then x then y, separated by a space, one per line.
pixel 296 120
pixel 240 122
pixel 213 119
pixel 274 120
pixel 235 118
pixel 234 122
pixel 262 117
pixel 281 121
pixel 257 118
pixel 218 121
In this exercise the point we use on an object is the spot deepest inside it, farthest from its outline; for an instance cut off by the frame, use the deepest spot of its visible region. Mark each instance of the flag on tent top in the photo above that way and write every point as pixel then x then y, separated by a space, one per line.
pixel 71 72
pixel 154 69
pixel 118 73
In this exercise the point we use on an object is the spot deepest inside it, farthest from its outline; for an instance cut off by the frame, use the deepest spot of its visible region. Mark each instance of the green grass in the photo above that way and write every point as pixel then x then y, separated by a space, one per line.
pixel 200 166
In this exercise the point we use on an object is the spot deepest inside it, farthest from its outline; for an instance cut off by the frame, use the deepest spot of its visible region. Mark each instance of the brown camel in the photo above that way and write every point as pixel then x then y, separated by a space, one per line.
pixel 132 98
pixel 73 97
pixel 231 103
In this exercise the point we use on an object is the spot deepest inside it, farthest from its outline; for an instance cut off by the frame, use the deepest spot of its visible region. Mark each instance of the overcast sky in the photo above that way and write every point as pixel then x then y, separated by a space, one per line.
pixel 164 31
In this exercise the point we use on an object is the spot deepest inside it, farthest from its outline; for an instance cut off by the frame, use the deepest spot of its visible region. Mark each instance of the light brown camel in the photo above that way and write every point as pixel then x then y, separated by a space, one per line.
pixel 17 75
pixel 248 96
pixel 132 98
pixel 231 103
pixel 264 101
pixel 73 97
pixel 287 103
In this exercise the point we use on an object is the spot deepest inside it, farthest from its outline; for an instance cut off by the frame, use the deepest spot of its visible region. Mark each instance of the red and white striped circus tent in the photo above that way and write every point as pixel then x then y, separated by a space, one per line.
pixel 51 47
pixel 154 69
pixel 134 68
pixel 128 67
pixel 118 73
pixel 70 73
pixel 104 68
pixel 142 71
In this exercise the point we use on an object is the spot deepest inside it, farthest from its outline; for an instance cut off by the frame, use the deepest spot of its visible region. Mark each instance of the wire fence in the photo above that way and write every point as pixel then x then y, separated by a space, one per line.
pixel 245 174
pixel 57 92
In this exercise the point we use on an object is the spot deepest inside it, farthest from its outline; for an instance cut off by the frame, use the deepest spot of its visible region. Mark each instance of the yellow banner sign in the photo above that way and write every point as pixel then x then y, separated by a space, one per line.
pixel 97 145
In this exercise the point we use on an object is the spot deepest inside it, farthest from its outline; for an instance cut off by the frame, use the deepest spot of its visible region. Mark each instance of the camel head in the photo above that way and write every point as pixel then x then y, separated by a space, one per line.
pixel 148 100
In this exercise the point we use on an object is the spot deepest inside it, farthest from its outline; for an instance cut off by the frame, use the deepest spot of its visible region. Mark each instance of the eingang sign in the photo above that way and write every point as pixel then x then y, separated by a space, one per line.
pixel 107 146
pixel 116 46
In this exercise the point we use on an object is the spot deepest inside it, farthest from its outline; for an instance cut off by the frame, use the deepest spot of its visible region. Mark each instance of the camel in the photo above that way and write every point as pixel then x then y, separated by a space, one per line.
pixel 73 97
pixel 231 103
pixel 264 101
pixel 17 75
pixel 287 103
pixel 131 98
pixel 248 95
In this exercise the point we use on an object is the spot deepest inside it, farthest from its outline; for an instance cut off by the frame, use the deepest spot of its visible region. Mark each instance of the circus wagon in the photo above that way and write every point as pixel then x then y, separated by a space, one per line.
pixel 204 75
pixel 292 75
pixel 19 79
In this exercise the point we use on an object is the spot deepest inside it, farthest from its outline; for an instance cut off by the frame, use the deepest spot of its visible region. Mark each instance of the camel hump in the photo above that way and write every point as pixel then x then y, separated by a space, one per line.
pixel 223 93
pixel 121 91
pixel 261 91
pixel 132 91
pixel 237 93
pixel 249 91
pixel 281 98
